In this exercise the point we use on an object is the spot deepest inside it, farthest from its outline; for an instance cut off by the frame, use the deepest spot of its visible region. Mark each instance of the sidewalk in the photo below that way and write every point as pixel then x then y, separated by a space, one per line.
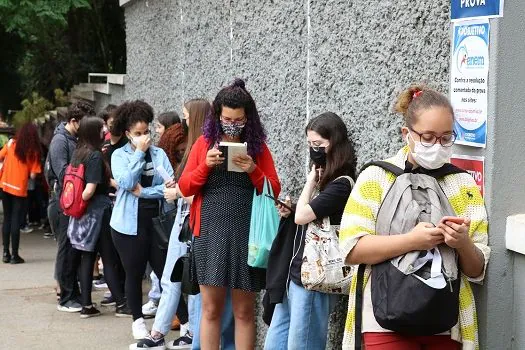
pixel 28 307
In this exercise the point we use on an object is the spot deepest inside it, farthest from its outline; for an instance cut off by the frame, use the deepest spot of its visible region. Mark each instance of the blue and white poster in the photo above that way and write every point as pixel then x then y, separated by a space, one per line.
pixel 468 9
pixel 468 81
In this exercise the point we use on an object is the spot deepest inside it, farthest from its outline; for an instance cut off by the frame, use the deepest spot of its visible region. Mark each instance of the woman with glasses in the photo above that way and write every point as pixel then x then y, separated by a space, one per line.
pixel 221 210
pixel 428 135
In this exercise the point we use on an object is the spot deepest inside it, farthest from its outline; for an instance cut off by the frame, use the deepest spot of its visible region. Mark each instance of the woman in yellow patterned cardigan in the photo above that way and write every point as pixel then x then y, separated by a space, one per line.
pixel 429 135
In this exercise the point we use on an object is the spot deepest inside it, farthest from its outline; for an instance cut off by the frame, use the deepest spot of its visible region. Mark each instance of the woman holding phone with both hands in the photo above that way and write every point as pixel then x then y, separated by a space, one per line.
pixel 221 211
pixel 428 135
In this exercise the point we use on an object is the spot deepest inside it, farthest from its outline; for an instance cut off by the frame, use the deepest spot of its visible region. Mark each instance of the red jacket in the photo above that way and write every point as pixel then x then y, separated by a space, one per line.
pixel 196 173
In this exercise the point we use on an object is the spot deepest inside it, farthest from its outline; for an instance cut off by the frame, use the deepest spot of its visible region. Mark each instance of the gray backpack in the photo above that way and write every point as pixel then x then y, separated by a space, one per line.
pixel 416 293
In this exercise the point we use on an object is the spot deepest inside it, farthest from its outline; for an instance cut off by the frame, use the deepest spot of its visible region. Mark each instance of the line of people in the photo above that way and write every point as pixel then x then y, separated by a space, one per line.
pixel 434 229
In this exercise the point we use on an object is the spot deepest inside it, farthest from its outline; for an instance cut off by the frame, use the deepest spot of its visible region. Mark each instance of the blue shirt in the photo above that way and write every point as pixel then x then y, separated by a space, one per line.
pixel 127 166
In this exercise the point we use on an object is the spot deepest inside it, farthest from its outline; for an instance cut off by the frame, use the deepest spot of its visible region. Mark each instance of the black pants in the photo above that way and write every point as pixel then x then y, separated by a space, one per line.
pixel 113 269
pixel 13 211
pixel 67 263
pixel 135 252
pixel 87 261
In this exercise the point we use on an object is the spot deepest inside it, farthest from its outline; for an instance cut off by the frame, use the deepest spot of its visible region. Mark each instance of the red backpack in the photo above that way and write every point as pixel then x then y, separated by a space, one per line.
pixel 71 200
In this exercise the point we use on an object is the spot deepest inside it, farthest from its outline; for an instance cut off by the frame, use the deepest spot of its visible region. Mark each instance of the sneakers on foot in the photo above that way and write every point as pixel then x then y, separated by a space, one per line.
pixel 48 234
pixel 149 343
pixel 16 259
pixel 6 258
pixel 70 306
pixel 123 311
pixel 88 312
pixel 26 229
pixel 139 329
pixel 150 308
pixel 183 342
pixel 108 301
pixel 100 284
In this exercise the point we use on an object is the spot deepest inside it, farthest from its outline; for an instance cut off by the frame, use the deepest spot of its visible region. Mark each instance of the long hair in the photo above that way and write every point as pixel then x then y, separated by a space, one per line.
pixel 198 109
pixel 27 147
pixel 170 140
pixel 340 156
pixel 236 96
pixel 89 141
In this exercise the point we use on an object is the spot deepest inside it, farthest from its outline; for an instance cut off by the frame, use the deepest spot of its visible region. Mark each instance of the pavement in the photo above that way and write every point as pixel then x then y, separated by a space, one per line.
pixel 29 314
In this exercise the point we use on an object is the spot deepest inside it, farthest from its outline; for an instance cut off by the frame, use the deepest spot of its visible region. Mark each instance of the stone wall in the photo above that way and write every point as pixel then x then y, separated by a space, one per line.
pixel 299 58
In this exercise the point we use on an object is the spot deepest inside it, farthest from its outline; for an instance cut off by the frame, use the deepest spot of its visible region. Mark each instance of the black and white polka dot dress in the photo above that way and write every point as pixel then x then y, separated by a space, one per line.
pixel 221 250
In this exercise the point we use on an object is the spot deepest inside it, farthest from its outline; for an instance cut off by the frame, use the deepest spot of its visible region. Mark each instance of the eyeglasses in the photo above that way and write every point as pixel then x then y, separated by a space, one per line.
pixel 429 140
pixel 239 122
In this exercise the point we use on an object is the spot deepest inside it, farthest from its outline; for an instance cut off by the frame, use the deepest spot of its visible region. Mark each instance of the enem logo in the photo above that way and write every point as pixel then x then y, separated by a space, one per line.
pixel 464 61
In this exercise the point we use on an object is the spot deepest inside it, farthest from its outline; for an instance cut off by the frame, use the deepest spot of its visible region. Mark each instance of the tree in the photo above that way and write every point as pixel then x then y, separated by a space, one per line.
pixel 62 41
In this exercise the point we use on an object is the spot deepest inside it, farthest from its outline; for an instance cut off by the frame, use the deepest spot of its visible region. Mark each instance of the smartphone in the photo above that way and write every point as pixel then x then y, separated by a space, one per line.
pixel 454 219
pixel 280 202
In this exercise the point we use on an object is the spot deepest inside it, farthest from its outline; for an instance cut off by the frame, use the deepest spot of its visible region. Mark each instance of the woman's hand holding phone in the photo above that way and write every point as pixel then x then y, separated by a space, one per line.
pixel 456 231
pixel 214 158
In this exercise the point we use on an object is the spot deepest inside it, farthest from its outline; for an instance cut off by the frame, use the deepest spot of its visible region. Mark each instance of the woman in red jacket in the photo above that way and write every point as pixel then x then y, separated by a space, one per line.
pixel 221 210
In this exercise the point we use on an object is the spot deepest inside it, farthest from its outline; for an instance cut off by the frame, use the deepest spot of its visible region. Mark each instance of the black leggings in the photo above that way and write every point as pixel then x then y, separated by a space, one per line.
pixel 13 211
pixel 112 268
pixel 87 261
pixel 135 252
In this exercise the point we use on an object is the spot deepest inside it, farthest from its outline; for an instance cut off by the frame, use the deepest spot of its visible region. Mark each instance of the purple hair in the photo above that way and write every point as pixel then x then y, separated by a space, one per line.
pixel 236 96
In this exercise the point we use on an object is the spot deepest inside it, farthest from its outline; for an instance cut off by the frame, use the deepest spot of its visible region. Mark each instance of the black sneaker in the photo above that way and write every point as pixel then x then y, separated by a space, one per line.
pixel 48 234
pixel 88 312
pixel 151 343
pixel 109 301
pixel 16 259
pixel 183 342
pixel 6 258
pixel 123 311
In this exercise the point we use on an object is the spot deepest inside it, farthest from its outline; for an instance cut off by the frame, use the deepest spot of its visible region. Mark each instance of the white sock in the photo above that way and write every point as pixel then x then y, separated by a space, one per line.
pixel 184 328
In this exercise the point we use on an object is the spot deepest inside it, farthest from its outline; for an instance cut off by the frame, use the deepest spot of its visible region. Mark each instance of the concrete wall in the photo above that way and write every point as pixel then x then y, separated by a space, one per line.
pixel 301 58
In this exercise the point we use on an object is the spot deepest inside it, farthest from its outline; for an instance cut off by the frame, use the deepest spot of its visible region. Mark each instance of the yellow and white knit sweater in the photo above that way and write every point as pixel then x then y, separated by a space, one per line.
pixel 359 219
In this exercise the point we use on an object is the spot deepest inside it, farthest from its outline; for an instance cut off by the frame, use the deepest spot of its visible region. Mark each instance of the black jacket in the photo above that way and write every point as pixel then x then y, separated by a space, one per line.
pixel 278 266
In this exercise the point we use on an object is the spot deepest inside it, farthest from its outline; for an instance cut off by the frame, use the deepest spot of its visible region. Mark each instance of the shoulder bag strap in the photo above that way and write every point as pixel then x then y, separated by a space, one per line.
pixel 359 307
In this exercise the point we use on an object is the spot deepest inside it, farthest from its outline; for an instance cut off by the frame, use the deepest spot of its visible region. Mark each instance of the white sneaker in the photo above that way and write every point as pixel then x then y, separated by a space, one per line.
pixel 139 329
pixel 150 308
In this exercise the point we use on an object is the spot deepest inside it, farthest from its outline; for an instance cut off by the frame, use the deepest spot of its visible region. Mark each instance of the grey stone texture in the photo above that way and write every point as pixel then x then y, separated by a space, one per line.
pixel 301 58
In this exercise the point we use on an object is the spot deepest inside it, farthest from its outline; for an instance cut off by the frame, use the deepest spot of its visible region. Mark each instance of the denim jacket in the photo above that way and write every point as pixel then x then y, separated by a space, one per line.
pixel 126 166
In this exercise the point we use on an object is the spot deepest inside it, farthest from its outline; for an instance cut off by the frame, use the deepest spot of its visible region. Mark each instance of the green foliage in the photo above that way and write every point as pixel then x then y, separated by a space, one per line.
pixel 28 17
pixel 32 109
pixel 55 44
pixel 60 98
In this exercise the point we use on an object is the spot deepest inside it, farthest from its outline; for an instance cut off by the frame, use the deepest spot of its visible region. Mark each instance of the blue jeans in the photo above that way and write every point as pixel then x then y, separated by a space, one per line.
pixel 155 292
pixel 227 324
pixel 301 320
pixel 171 291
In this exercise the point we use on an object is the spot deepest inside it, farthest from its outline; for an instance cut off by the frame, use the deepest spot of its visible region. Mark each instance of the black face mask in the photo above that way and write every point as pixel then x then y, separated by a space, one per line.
pixel 185 127
pixel 318 157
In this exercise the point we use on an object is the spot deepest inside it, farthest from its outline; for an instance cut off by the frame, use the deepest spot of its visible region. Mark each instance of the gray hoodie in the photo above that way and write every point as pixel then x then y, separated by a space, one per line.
pixel 61 150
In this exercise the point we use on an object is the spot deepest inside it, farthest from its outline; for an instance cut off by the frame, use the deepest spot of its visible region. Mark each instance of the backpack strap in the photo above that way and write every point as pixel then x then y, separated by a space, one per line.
pixel 359 307
pixel 445 170
pixel 397 171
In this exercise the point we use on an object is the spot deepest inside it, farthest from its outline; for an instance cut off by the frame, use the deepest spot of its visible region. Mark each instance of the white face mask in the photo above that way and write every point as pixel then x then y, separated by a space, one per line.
pixel 430 158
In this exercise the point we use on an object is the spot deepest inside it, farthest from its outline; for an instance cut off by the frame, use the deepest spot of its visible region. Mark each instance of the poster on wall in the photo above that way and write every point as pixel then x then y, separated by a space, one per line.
pixel 468 81
pixel 475 166
pixel 469 9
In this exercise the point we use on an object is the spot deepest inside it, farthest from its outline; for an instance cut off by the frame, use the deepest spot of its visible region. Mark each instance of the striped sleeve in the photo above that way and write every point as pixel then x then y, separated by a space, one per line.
pixel 468 202
pixel 359 216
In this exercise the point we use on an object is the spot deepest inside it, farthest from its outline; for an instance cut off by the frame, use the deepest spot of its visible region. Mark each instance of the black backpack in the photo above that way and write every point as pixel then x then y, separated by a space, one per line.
pixel 418 292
